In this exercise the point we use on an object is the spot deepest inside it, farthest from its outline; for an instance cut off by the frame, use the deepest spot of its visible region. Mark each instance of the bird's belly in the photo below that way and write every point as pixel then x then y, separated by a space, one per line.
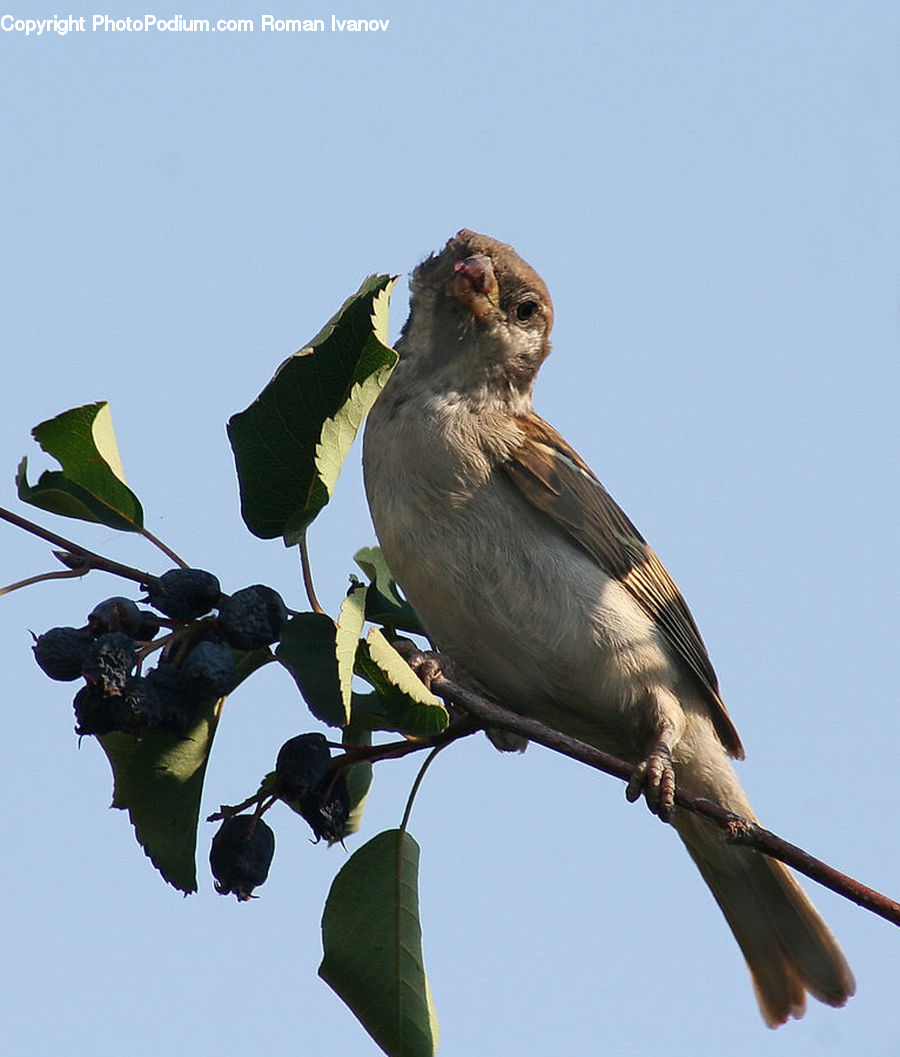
pixel 532 619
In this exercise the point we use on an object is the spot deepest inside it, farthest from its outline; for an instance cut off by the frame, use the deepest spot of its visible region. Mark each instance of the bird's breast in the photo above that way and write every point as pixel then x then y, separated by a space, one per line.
pixel 502 590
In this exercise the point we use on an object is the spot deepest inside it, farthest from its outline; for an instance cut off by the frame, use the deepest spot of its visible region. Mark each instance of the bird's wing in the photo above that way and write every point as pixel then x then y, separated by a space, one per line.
pixel 557 481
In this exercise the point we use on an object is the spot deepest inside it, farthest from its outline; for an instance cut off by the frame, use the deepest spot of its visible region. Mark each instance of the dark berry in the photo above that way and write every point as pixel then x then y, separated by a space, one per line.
pixel 306 782
pixel 184 594
pixel 137 709
pixel 149 626
pixel 92 711
pixel 209 670
pixel 109 662
pixel 115 614
pixel 301 764
pixel 327 808
pixel 61 652
pixel 241 855
pixel 178 704
pixel 252 617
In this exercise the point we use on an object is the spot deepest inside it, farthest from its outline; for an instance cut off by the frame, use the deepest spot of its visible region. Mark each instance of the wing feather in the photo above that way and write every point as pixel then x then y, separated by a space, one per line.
pixel 558 482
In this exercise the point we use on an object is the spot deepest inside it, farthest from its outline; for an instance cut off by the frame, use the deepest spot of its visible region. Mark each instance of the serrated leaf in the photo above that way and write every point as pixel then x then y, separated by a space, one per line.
pixel 372 711
pixel 391 707
pixel 290 443
pixel 91 485
pixel 384 603
pixel 307 650
pixel 396 713
pixel 159 781
pixel 398 671
pixel 349 628
pixel 339 432
pixel 373 945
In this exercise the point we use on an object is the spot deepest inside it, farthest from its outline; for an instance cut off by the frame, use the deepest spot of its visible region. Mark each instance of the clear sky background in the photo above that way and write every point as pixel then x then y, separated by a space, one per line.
pixel 711 192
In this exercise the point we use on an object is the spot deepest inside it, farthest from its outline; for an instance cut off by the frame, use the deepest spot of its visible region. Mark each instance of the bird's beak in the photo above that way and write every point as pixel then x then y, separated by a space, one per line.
pixel 475 286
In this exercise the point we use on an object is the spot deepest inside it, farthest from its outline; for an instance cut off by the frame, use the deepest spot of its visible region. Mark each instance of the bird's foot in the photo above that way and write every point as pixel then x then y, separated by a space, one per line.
pixel 425 663
pixel 655 778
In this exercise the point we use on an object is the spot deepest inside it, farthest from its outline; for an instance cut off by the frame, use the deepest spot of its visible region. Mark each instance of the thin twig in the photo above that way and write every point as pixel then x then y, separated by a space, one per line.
pixel 60 574
pixel 737 830
pixel 228 810
pixel 396 750
pixel 87 559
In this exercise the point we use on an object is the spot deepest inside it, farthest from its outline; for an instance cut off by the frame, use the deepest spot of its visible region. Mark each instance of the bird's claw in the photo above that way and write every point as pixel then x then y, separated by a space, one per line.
pixel 655 778
pixel 425 663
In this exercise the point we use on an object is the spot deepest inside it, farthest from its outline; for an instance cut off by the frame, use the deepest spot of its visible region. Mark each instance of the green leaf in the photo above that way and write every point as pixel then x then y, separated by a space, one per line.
pixel 384 603
pixel 373 945
pixel 349 627
pixel 159 781
pixel 373 563
pixel 290 443
pixel 373 711
pixel 91 485
pixel 307 650
pixel 408 708
pixel 398 671
pixel 359 779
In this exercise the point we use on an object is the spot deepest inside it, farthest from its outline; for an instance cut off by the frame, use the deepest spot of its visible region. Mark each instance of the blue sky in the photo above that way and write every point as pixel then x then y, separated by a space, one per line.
pixel 710 192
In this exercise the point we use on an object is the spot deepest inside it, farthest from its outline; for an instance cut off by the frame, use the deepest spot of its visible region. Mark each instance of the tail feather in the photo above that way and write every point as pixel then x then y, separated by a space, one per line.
pixel 786 944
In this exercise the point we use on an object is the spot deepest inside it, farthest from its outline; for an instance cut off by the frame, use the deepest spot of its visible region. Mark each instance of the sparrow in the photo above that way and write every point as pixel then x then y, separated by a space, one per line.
pixel 541 594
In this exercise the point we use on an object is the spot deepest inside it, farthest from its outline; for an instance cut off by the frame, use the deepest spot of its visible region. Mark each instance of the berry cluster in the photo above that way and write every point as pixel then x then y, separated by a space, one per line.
pixel 196 660
pixel 307 783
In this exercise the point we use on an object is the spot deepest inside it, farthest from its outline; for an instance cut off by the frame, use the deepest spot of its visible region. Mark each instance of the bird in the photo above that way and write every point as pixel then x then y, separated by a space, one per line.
pixel 539 592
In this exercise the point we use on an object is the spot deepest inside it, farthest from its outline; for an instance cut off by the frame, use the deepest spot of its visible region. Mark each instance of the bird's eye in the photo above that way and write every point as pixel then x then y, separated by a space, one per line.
pixel 525 310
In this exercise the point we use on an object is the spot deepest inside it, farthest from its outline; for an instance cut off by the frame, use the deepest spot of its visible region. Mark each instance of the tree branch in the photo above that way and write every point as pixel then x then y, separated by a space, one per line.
pixel 84 559
pixel 737 830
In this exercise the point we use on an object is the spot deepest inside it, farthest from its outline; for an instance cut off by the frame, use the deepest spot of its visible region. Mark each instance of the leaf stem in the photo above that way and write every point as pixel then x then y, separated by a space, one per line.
pixel 307 576
pixel 148 535
pixel 415 786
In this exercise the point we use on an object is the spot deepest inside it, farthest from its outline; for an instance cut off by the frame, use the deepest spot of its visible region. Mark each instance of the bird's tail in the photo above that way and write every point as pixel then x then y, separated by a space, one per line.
pixel 787 946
